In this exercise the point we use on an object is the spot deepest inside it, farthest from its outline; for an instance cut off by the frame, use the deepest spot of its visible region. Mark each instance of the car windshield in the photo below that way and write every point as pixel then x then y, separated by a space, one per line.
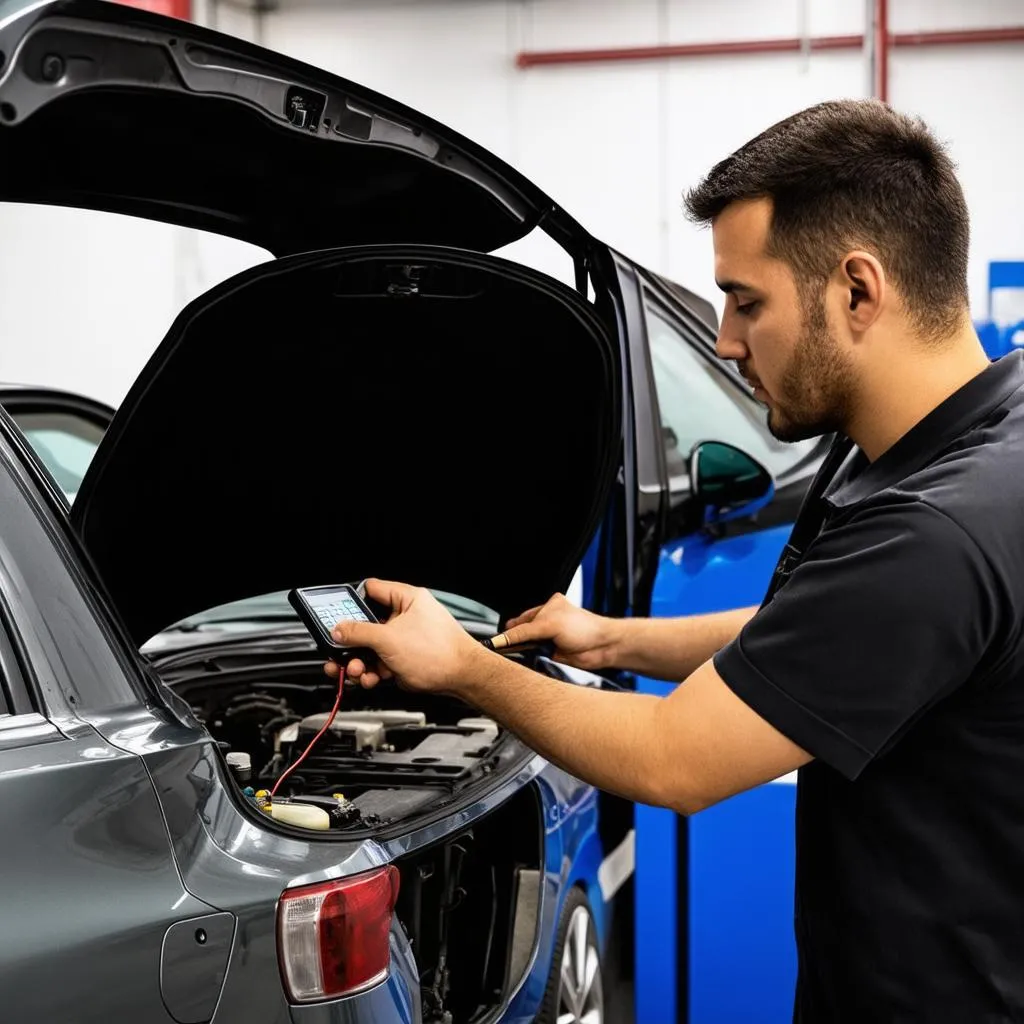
pixel 254 613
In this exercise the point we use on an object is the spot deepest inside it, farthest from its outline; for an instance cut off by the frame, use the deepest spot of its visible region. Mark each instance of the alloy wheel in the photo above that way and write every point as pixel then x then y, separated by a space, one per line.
pixel 580 995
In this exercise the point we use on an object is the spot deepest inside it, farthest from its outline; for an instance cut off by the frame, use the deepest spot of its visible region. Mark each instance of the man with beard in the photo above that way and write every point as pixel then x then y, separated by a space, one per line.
pixel 886 662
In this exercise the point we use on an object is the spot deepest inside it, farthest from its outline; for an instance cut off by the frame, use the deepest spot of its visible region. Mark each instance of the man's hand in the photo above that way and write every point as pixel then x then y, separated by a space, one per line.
pixel 663 648
pixel 581 638
pixel 421 644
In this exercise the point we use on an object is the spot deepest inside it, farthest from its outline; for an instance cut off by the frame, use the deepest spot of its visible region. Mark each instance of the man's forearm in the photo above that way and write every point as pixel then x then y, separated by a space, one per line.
pixel 600 737
pixel 687 751
pixel 674 648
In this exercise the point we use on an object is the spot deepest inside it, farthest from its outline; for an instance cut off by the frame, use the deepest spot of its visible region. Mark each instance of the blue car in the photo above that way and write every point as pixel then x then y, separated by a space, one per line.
pixel 384 397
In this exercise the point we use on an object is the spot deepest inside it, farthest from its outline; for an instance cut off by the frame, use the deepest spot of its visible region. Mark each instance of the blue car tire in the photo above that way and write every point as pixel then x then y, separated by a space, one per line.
pixel 575 991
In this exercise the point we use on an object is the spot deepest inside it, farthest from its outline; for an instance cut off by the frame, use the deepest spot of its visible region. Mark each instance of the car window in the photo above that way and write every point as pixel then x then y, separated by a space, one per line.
pixel 698 403
pixel 64 442
pixel 71 653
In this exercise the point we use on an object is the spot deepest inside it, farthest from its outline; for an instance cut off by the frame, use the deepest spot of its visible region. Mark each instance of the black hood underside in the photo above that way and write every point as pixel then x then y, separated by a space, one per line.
pixel 110 108
pixel 439 417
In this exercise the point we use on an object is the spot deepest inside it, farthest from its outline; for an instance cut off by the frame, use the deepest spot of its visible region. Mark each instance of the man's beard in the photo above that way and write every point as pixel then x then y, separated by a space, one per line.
pixel 814 396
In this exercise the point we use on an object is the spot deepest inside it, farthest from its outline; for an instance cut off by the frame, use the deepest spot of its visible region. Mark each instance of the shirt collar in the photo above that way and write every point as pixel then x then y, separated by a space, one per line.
pixel 922 442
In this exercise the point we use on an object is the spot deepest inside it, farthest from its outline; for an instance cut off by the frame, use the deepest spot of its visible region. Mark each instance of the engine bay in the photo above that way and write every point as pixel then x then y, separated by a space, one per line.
pixel 386 756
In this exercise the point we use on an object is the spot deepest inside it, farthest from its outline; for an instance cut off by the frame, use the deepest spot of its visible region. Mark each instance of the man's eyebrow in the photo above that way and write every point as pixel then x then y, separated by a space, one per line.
pixel 734 286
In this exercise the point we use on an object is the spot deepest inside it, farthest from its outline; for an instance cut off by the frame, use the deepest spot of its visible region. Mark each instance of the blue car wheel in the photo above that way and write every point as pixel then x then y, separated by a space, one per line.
pixel 575 992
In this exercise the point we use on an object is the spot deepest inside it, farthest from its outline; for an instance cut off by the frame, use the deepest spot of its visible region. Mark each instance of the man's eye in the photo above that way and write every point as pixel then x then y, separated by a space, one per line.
pixel 747 308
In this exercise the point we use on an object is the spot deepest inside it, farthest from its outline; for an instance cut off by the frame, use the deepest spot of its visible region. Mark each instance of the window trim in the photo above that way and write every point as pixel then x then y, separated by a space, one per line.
pixel 31 400
pixel 15 671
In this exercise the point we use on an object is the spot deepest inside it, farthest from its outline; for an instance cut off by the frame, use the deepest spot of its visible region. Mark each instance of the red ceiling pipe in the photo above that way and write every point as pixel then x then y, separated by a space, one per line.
pixel 881 82
pixel 536 58
pixel 960 38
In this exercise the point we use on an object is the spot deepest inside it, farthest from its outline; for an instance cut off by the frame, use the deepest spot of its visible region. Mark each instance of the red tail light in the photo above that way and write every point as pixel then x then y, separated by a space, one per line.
pixel 332 938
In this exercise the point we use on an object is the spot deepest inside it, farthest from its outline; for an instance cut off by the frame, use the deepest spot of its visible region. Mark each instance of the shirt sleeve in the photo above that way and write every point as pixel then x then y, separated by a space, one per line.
pixel 887 613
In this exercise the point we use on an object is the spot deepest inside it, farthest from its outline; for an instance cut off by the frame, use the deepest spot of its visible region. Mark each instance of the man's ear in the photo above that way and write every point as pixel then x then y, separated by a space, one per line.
pixel 865 288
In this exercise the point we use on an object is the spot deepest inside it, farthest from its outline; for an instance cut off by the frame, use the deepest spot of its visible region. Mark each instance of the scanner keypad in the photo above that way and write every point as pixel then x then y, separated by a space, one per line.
pixel 344 608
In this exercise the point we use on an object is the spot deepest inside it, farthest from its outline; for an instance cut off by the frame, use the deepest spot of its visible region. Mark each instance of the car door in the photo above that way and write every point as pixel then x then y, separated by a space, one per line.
pixel 729 869
pixel 97 923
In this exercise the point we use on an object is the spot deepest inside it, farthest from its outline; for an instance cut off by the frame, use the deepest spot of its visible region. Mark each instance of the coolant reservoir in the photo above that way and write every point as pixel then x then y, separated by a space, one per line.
pixel 302 815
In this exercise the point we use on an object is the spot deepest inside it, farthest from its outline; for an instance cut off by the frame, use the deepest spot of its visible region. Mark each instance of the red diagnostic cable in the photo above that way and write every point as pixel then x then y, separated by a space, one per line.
pixel 312 742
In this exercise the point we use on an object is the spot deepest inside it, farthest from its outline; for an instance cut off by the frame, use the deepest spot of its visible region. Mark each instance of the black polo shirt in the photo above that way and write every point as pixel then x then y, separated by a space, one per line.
pixel 892 650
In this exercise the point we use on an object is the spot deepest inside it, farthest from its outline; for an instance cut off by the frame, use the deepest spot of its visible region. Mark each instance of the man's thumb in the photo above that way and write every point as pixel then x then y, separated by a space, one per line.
pixel 524 634
pixel 357 634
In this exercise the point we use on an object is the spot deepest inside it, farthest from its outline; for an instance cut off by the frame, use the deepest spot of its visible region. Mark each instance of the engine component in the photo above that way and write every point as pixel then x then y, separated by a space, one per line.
pixel 351 735
pixel 482 724
pixel 257 708
pixel 240 764
pixel 302 815
pixel 385 718
pixel 449 745
pixel 391 804
pixel 341 811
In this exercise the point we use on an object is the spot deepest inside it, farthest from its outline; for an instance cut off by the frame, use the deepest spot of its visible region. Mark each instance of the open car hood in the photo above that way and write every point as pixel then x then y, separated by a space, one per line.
pixel 404 408
pixel 108 107
pixel 426 414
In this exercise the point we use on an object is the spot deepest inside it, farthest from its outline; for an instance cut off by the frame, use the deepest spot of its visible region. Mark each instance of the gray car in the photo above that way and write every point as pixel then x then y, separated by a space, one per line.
pixel 385 398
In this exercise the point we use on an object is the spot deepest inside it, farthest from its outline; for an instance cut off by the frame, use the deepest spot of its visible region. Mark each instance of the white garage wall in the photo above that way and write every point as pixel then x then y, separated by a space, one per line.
pixel 86 297
pixel 615 143
pixel 618 143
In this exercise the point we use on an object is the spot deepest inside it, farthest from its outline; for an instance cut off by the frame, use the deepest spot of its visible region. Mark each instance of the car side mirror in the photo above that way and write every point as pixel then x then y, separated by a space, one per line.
pixel 727 483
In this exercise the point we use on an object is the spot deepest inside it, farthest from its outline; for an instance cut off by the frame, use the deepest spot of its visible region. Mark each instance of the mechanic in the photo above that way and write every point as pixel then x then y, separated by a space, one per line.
pixel 886 662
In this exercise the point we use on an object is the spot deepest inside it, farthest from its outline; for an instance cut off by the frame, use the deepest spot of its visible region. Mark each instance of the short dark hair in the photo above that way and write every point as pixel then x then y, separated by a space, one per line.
pixel 856 174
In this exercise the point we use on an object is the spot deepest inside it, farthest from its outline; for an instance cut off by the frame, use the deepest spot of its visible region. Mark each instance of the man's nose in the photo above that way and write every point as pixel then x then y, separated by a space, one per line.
pixel 729 346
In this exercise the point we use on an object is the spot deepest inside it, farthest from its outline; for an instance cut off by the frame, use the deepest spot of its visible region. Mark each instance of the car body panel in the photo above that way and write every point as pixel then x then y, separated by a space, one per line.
pixel 700 574
pixel 84 798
